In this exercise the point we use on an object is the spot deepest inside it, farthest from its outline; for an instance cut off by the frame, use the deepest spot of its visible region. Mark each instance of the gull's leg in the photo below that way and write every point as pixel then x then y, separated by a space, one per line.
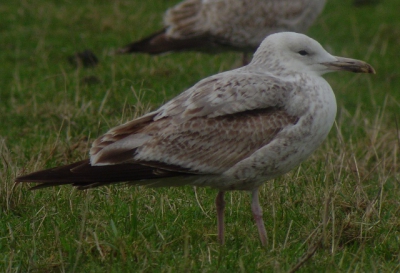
pixel 220 204
pixel 257 213
pixel 245 58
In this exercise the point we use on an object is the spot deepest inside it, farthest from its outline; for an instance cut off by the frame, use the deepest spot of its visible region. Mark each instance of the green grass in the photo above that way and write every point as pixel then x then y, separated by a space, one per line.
pixel 347 193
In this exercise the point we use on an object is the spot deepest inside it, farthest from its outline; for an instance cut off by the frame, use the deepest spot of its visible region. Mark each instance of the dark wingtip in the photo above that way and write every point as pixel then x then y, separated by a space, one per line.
pixel 148 44
pixel 82 175
pixel 160 42
pixel 51 177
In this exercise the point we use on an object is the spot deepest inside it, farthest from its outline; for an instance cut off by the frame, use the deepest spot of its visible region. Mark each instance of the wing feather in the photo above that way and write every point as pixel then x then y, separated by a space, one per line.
pixel 208 128
pixel 206 145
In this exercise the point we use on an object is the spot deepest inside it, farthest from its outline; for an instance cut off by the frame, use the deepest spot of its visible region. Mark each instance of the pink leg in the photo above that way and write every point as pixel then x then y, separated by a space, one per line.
pixel 257 213
pixel 220 204
pixel 245 58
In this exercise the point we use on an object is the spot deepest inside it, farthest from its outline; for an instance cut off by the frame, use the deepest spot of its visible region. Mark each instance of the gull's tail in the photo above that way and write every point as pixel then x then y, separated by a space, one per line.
pixel 159 42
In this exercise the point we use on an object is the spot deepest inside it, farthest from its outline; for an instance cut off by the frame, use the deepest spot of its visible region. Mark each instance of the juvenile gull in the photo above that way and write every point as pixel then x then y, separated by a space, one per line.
pixel 208 25
pixel 231 131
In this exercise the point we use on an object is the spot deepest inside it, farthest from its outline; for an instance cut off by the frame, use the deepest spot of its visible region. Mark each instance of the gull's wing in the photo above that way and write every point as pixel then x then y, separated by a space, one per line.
pixel 205 130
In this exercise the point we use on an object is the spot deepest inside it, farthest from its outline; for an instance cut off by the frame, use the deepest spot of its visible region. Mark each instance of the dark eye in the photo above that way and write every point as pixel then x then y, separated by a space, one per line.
pixel 303 52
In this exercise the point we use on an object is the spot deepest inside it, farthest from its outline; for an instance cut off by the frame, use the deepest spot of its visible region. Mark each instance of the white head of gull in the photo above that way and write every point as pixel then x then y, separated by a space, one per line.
pixel 231 131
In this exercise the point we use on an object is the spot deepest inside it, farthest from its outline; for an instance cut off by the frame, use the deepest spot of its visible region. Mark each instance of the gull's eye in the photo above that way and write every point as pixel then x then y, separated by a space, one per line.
pixel 303 52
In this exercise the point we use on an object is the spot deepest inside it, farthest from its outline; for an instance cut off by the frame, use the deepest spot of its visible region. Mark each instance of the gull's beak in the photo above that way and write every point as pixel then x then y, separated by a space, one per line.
pixel 352 65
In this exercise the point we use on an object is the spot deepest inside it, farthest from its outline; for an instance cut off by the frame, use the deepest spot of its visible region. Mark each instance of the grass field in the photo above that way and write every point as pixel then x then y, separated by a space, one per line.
pixel 338 212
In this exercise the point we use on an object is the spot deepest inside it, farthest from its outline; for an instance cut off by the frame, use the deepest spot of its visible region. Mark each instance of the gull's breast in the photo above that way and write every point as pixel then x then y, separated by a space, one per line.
pixel 316 107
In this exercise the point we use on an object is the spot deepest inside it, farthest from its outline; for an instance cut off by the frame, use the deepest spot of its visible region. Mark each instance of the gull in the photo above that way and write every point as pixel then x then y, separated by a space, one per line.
pixel 231 131
pixel 212 25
